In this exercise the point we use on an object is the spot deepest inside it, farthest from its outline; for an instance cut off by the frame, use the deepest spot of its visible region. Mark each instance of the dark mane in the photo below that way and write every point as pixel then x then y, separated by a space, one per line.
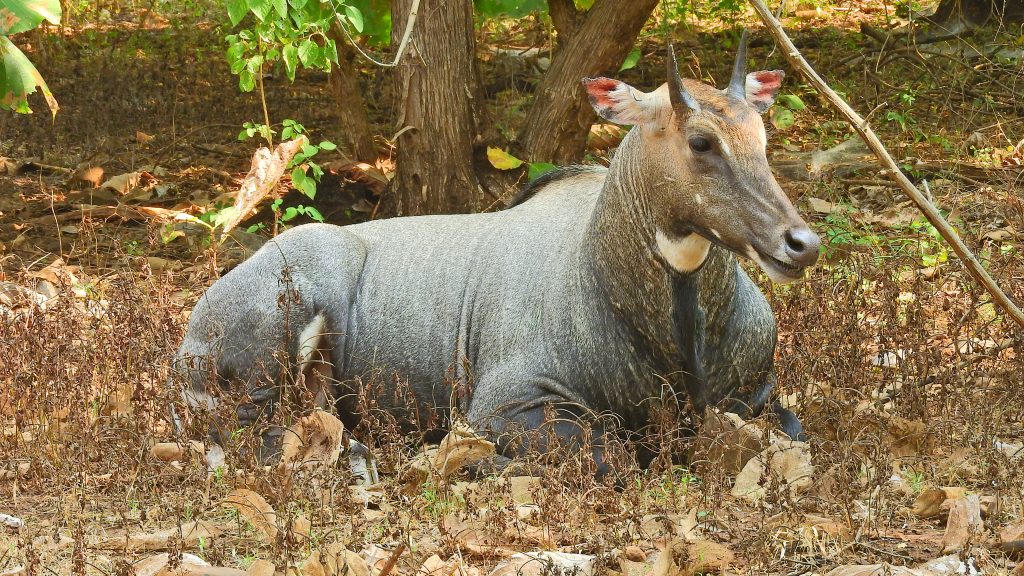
pixel 561 173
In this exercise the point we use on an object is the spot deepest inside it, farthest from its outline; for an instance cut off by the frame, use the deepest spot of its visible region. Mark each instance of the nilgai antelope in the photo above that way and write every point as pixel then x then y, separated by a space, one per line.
pixel 585 297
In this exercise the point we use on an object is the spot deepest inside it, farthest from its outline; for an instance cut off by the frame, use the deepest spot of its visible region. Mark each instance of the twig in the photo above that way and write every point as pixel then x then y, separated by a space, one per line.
pixel 390 564
pixel 413 11
pixel 927 208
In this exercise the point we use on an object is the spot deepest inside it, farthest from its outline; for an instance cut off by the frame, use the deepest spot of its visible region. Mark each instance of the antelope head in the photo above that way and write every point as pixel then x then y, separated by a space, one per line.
pixel 698 158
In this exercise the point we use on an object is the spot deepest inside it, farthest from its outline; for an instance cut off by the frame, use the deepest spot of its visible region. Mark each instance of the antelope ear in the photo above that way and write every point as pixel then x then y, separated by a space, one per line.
pixel 619 102
pixel 761 88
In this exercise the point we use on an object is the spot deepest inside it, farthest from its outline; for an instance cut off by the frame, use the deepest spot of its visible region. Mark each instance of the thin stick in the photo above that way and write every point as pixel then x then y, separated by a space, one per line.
pixel 927 208
pixel 413 11
pixel 392 560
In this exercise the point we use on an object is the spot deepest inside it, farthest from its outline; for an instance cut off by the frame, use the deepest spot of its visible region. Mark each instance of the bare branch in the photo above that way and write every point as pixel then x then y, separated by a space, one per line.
pixel 413 11
pixel 927 208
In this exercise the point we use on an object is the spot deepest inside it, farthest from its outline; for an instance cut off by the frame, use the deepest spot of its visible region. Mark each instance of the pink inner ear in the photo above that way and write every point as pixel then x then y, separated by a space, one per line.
pixel 769 82
pixel 598 90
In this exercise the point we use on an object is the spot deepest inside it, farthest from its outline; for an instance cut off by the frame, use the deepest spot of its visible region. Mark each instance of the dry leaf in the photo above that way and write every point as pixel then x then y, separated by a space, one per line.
pixel 118 403
pixel 604 136
pixel 544 563
pixel 91 175
pixel 932 503
pixel 313 441
pixel 461 447
pixel 336 560
pixel 634 554
pixel 301 528
pixel 705 556
pixel 190 533
pixel 260 568
pixel 658 527
pixel 172 451
pixel 872 570
pixel 255 509
pixel 1011 539
pixel 665 565
pixel 157 565
pixel 123 183
pixel 725 442
pixel 143 138
pixel 963 523
pixel 265 172
pixel 434 566
pixel 476 537
pixel 821 206
pixel 523 488
pixel 789 463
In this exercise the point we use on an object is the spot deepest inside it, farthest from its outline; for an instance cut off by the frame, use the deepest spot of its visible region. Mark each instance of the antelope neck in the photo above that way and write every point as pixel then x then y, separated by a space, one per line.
pixel 634 263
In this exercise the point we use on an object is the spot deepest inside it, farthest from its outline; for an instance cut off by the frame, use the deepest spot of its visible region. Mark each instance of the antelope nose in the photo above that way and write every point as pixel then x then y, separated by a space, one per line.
pixel 802 245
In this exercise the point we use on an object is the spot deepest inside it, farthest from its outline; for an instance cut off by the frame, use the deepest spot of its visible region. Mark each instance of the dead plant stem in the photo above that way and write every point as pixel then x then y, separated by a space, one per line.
pixel 974 267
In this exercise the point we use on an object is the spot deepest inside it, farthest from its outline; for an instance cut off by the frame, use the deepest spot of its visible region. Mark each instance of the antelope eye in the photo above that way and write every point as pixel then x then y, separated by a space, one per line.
pixel 700 144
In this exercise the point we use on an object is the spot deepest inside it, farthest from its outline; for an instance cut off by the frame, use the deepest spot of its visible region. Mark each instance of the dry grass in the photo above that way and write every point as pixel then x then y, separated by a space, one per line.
pixel 905 376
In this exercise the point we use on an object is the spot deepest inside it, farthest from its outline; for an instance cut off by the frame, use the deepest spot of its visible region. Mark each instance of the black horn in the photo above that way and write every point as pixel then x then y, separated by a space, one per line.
pixel 738 83
pixel 681 99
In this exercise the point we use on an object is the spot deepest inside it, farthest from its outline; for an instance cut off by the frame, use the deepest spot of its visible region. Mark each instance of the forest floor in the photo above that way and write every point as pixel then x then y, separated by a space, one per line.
pixel 905 376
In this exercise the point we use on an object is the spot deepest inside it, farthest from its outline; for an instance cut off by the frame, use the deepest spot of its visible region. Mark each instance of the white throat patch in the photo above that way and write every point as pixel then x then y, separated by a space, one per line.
pixel 684 254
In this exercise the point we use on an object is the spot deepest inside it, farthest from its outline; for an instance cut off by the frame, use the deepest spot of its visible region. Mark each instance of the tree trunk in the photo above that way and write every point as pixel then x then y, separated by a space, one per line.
pixel 436 81
pixel 960 15
pixel 353 136
pixel 558 122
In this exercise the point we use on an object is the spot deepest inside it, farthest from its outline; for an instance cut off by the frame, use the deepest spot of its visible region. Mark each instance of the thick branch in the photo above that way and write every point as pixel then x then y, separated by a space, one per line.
pixel 860 125
pixel 560 118
pixel 565 17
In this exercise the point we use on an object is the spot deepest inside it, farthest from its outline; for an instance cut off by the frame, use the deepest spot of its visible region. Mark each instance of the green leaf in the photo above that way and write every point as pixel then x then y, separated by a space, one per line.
pixel 782 118
pixel 538 169
pixel 261 8
pixel 791 101
pixel 303 183
pixel 290 54
pixel 246 81
pixel 502 160
pixel 376 20
pixel 314 214
pixel 18 79
pixel 237 10
pixel 307 52
pixel 308 150
pixel 21 15
pixel 282 8
pixel 631 59
pixel 355 17
pixel 297 4
pixel 224 215
pixel 328 146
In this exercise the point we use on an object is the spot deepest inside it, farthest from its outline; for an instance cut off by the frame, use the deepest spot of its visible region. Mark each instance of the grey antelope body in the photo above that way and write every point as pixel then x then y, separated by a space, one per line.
pixel 594 294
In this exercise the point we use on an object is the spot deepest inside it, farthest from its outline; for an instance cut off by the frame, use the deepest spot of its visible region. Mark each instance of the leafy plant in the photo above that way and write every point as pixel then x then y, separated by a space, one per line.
pixel 782 115
pixel 300 164
pixel 18 77
pixel 293 32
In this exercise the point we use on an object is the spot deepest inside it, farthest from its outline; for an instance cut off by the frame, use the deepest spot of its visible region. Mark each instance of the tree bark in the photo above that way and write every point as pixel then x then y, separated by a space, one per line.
pixel 436 82
pixel 353 135
pixel 558 122
pixel 565 18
